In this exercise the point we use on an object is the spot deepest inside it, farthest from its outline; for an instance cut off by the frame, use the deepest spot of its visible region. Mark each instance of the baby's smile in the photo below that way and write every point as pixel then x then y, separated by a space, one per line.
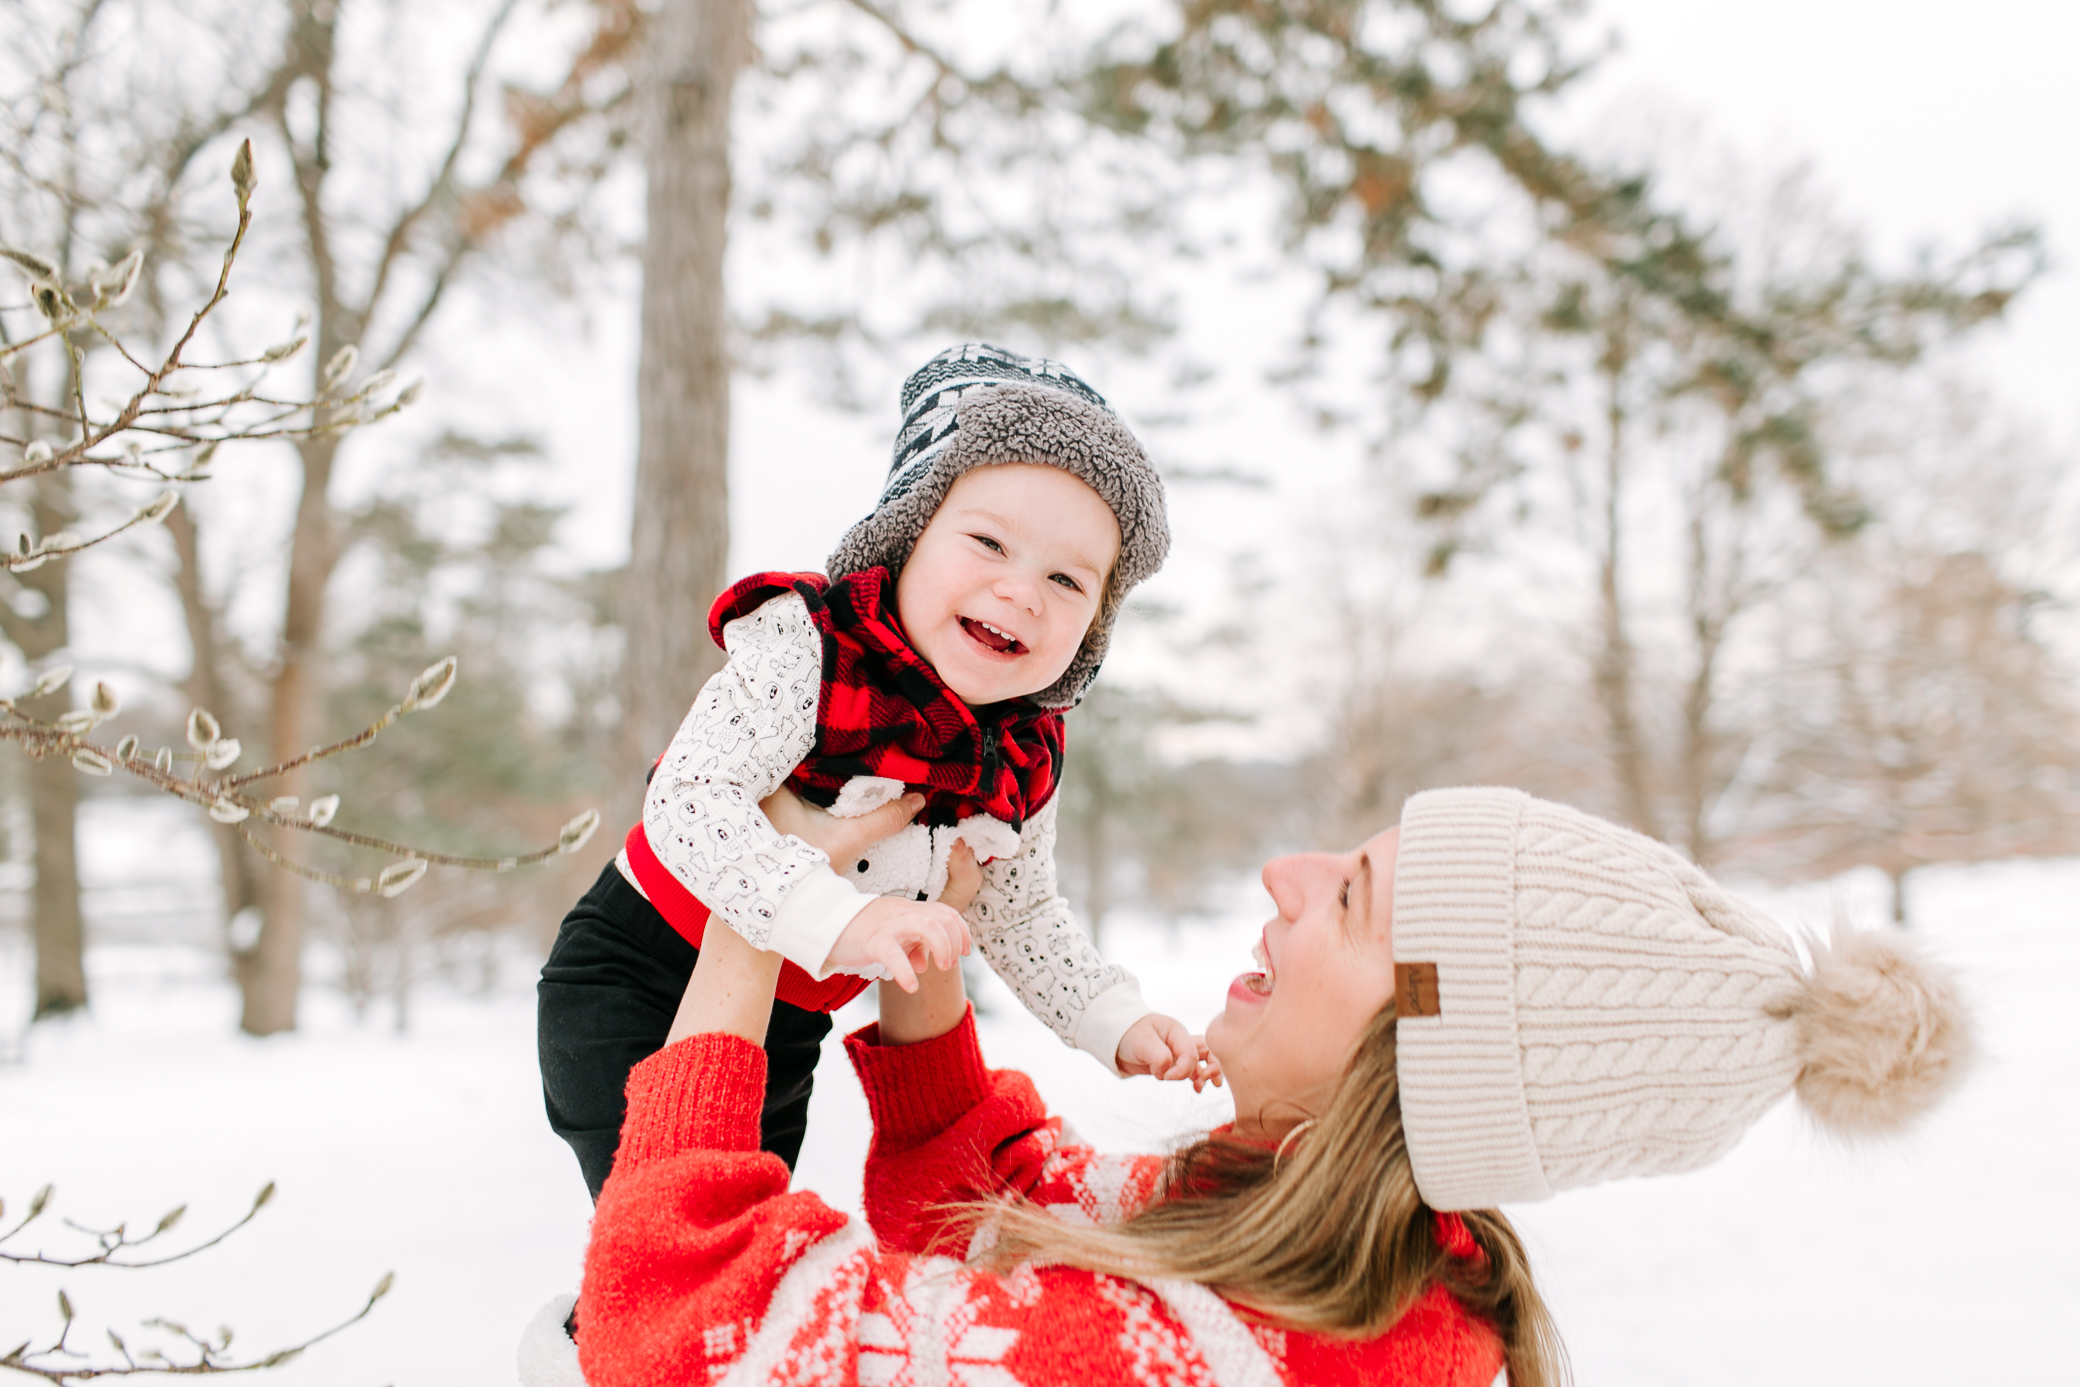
pixel 992 638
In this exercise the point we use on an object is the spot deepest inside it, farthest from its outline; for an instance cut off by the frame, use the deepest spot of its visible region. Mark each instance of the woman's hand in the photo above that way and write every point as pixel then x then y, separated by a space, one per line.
pixel 731 990
pixel 842 840
pixel 939 1000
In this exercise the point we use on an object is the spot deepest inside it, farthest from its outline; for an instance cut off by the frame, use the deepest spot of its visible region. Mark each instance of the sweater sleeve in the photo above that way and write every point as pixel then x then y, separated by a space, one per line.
pixel 1030 937
pixel 949 1131
pixel 750 727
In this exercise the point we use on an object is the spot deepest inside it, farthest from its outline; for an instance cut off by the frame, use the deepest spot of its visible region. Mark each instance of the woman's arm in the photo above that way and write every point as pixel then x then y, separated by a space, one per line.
pixel 731 990
pixel 749 727
pixel 941 999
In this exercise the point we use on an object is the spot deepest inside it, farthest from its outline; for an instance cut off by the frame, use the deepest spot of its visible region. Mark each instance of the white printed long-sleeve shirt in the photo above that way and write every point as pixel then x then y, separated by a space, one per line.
pixel 752 724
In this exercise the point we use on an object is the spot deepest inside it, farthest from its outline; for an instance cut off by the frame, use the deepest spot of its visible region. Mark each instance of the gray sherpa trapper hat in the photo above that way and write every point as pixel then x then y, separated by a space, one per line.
pixel 974 405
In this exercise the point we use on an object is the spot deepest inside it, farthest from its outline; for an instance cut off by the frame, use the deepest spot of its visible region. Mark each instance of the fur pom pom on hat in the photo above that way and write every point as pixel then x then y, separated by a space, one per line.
pixel 974 405
pixel 1603 1008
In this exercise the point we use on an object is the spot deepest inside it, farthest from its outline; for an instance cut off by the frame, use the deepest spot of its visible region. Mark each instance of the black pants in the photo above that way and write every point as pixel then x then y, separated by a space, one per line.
pixel 605 1003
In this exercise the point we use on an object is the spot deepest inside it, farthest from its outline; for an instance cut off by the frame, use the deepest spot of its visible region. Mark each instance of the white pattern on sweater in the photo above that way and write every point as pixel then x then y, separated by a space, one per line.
pixel 752 724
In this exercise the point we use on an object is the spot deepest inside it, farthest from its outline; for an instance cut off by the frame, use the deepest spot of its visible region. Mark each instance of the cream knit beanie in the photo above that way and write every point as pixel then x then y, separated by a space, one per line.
pixel 1602 1008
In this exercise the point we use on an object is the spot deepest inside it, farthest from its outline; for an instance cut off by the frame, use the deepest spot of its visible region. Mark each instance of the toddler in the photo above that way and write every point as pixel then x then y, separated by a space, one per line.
pixel 957 623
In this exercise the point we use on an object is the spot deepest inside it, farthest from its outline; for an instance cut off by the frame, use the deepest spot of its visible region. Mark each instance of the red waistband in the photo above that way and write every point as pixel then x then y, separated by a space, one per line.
pixel 683 911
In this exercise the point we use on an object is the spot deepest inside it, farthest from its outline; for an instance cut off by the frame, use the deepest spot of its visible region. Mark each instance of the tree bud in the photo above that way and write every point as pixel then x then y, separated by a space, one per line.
pixel 336 369
pixel 399 876
pixel 431 686
pixel 221 753
pixel 242 180
pixel 158 508
pixel 39 450
pixel 282 351
pixel 104 702
pixel 35 266
pixel 227 811
pixel 92 762
pixel 202 729
pixel 126 750
pixel 577 832
pixel 322 810
pixel 123 278
pixel 163 762
pixel 76 721
pixel 51 680
pixel 282 804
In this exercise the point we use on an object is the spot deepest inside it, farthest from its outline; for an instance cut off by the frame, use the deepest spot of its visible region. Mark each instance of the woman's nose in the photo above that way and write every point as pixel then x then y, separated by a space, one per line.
pixel 1289 879
pixel 1282 878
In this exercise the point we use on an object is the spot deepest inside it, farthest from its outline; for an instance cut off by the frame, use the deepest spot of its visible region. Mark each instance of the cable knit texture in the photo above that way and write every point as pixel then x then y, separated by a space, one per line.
pixel 703 1269
pixel 1605 1008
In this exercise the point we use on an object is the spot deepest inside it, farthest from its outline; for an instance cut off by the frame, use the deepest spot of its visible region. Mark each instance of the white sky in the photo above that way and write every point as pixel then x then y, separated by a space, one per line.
pixel 1932 119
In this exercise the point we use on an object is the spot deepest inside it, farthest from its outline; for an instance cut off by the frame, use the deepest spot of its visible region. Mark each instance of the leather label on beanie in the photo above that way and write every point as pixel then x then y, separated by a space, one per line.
pixel 1415 989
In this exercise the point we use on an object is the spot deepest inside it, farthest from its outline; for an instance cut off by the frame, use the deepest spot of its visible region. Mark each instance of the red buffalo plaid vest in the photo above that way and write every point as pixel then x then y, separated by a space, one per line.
pixel 883 711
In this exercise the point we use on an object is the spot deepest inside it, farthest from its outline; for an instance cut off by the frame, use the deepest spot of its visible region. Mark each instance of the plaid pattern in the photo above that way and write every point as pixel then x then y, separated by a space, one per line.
pixel 885 712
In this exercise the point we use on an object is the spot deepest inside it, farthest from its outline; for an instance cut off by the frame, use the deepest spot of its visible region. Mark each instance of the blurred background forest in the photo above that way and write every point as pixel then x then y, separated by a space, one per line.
pixel 1511 438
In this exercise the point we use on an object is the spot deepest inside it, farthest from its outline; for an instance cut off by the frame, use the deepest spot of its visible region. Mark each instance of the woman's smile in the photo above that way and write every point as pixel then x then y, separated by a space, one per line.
pixel 1254 987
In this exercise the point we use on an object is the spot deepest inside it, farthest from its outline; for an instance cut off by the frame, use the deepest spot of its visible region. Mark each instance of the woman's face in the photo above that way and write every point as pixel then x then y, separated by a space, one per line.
pixel 1327 968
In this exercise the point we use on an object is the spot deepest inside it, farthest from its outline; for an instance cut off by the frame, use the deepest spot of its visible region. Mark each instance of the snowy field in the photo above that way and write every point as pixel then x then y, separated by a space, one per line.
pixel 1943 1260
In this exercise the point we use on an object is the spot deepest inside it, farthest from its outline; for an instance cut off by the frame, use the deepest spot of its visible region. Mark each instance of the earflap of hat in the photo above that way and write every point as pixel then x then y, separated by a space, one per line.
pixel 1461 1070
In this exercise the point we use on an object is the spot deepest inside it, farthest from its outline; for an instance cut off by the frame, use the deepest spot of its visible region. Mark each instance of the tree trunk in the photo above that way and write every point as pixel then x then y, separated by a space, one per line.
pixel 1709 616
pixel 1616 662
pixel 208 688
pixel 680 539
pixel 59 934
pixel 272 975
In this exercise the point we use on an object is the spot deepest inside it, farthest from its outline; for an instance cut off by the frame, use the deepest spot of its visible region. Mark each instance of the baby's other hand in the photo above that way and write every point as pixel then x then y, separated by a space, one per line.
pixel 963 876
pixel 902 937
pixel 1161 1046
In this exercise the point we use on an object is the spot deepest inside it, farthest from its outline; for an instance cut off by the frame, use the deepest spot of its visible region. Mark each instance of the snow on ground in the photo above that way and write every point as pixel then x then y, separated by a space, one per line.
pixel 1941 1260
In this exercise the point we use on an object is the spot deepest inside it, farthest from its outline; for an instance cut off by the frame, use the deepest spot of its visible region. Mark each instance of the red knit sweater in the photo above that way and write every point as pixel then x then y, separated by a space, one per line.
pixel 704 1267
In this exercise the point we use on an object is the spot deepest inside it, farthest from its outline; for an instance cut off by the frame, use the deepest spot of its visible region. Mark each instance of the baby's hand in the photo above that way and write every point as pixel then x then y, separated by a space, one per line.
pixel 1160 1045
pixel 902 937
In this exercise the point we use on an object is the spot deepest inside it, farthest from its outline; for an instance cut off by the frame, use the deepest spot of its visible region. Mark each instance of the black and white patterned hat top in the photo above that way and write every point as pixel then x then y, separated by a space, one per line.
pixel 932 396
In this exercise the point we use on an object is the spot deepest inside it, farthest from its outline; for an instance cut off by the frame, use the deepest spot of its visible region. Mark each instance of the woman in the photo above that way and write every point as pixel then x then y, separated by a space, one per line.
pixel 1497 999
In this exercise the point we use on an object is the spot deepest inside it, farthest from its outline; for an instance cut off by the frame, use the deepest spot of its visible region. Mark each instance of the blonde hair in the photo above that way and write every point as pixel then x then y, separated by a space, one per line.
pixel 1327 1234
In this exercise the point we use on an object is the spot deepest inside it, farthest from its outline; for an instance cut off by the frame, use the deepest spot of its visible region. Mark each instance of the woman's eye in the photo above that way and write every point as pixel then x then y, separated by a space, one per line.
pixel 986 542
pixel 1066 581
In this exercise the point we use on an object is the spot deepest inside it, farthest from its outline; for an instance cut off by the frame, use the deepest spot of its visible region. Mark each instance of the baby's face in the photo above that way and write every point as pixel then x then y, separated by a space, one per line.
pixel 1006 579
